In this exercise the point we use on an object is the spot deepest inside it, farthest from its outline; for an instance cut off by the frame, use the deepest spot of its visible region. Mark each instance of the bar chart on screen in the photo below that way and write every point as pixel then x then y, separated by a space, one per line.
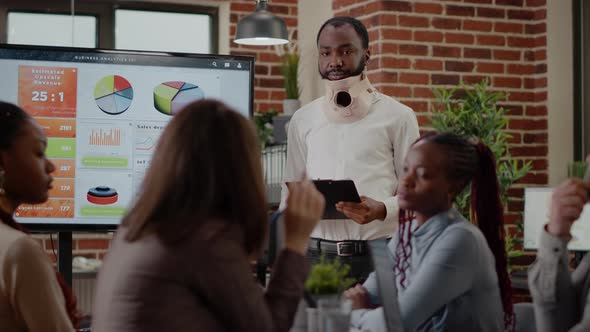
pixel 110 137
pixel 104 145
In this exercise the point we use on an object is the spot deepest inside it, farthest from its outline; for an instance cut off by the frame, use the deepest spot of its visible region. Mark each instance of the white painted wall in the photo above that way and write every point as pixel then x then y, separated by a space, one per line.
pixel 312 14
pixel 560 103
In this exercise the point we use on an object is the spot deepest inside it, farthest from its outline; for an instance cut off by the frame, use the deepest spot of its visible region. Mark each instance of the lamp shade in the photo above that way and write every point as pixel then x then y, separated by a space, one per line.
pixel 261 28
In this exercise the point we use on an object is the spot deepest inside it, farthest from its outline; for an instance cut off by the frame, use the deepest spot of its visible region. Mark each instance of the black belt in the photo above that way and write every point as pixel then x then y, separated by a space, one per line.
pixel 339 248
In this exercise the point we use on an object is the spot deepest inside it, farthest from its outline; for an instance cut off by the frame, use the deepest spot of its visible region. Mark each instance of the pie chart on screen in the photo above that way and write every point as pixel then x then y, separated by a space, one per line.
pixel 171 97
pixel 113 94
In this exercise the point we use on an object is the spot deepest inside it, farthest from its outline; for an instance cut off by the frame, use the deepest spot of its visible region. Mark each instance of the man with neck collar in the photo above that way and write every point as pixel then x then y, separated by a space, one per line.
pixel 353 132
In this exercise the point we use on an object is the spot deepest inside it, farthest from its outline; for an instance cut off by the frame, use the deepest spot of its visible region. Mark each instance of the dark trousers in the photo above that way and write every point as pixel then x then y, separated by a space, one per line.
pixel 360 265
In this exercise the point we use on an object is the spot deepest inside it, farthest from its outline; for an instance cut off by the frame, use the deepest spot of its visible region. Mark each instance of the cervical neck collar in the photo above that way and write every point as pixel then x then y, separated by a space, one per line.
pixel 348 100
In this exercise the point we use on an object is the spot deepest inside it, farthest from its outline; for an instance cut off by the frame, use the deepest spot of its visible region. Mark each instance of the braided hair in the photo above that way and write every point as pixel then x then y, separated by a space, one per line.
pixel 12 121
pixel 468 162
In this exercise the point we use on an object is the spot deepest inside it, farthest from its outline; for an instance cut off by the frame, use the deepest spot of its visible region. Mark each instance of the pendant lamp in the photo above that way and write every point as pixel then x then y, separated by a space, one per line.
pixel 261 28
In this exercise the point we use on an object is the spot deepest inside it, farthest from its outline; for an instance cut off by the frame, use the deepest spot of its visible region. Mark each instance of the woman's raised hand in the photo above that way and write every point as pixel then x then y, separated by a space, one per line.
pixel 305 206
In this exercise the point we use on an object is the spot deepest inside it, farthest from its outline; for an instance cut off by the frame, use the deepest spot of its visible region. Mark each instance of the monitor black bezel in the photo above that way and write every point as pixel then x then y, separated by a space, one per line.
pixel 77 227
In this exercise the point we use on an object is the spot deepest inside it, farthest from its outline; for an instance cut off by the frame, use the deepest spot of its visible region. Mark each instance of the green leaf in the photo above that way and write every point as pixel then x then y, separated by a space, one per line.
pixel 263 123
pixel 329 277
pixel 475 113
pixel 289 70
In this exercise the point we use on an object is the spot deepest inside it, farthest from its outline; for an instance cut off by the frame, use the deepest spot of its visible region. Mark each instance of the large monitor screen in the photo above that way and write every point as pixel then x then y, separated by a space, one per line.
pixel 103 112
pixel 536 216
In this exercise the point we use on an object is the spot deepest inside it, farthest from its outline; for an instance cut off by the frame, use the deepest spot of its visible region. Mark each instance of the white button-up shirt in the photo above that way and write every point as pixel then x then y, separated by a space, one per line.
pixel 370 152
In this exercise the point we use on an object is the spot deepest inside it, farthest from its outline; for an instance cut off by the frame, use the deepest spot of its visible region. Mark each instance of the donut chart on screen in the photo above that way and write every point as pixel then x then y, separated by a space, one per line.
pixel 171 97
pixel 113 94
pixel 102 195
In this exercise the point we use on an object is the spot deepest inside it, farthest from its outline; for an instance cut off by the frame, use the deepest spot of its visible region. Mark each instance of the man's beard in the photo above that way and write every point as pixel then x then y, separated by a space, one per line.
pixel 359 70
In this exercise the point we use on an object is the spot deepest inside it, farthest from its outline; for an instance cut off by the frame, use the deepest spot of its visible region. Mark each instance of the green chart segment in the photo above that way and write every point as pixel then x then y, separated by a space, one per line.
pixel 171 97
pixel 113 94
pixel 59 148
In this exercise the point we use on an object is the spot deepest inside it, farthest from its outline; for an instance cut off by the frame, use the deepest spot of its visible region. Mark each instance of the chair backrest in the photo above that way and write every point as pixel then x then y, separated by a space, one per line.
pixel 383 264
pixel 274 244
pixel 525 317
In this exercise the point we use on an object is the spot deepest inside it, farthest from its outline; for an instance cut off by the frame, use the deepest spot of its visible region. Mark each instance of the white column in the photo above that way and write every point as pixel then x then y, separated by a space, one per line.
pixel 560 103
pixel 311 15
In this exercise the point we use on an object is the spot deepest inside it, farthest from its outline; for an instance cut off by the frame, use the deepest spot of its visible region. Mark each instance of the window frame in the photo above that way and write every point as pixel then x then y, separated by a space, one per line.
pixel 104 11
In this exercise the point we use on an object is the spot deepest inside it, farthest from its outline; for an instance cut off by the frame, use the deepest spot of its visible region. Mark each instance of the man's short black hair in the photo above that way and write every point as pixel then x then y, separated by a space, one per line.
pixel 338 21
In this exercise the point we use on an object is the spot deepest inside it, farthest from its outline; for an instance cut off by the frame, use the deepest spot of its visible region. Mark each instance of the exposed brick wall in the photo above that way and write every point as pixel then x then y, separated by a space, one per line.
pixel 420 45
pixel 88 245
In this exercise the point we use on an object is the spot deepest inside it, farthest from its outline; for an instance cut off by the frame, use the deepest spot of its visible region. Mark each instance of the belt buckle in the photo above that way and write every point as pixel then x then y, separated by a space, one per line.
pixel 344 249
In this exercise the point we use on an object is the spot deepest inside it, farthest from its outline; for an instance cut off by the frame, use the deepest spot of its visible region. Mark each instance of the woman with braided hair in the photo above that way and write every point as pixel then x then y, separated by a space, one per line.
pixel 32 296
pixel 451 275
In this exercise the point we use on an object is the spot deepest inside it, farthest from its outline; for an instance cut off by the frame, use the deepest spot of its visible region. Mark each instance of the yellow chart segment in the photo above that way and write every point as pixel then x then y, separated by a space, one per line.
pixel 163 96
pixel 172 97
pixel 105 87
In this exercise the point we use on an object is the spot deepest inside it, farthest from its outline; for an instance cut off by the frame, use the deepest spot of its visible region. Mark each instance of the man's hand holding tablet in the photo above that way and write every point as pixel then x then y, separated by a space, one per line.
pixel 344 202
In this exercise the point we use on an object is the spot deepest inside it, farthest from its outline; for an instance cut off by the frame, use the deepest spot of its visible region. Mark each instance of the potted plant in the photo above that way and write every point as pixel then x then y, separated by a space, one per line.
pixel 512 250
pixel 263 122
pixel 475 113
pixel 289 54
pixel 328 279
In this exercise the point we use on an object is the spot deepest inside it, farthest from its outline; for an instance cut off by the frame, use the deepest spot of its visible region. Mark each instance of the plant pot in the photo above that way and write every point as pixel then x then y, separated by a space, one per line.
pixel 301 318
pixel 313 324
pixel 333 313
pixel 326 297
pixel 290 106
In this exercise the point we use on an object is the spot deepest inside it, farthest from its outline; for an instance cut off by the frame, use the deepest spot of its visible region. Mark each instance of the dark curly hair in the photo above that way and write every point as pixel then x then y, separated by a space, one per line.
pixel 358 26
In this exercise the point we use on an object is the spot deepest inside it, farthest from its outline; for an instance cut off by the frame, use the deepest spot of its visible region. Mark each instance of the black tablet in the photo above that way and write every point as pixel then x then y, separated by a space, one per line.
pixel 335 191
